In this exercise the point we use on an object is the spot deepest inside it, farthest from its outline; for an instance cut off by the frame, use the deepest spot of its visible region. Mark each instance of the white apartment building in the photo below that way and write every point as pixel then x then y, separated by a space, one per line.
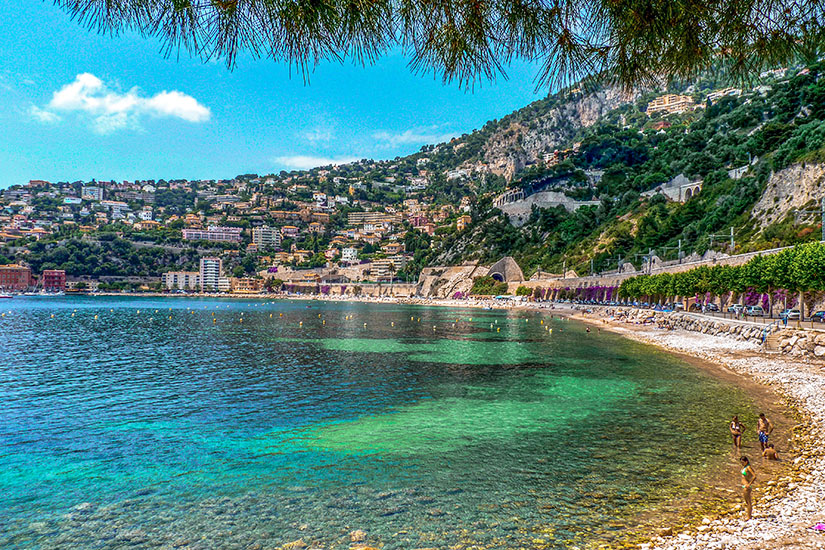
pixel 92 192
pixel 214 234
pixel 183 280
pixel 265 236
pixel 349 255
pixel 210 274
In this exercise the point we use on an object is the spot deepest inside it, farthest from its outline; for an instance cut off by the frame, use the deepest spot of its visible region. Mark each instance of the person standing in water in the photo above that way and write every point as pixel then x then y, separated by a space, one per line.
pixel 736 429
pixel 764 427
pixel 748 477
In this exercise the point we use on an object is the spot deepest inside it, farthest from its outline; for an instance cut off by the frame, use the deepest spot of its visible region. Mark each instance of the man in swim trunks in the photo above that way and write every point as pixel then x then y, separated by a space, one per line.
pixel 764 427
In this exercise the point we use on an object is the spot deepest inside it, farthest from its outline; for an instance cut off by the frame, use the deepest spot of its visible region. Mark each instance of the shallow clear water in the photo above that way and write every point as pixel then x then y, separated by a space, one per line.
pixel 204 431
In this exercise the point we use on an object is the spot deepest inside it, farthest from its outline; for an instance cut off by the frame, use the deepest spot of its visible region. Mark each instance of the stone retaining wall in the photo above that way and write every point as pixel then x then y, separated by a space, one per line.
pixel 788 341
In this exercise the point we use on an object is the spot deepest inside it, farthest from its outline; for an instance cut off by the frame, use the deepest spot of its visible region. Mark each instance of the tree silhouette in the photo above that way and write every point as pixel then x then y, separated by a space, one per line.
pixel 631 41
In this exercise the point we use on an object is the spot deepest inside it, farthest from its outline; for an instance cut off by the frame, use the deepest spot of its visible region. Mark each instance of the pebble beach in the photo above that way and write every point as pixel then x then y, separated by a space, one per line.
pixel 784 508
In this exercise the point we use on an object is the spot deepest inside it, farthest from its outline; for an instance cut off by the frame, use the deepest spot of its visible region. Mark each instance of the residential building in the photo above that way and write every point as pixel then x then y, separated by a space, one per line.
pixel 183 280
pixel 393 248
pixel 246 284
pixel 147 225
pixel 210 273
pixel 386 268
pixel 92 193
pixel 289 231
pixel 54 280
pixel 214 234
pixel 15 277
pixel 224 284
pixel 670 104
pixel 266 236
pixel 349 255
pixel 713 97
pixel 462 222
pixel 359 218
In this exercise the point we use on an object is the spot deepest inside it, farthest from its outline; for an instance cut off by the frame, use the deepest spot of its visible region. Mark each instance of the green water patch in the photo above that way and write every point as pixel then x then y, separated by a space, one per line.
pixel 552 404
pixel 456 352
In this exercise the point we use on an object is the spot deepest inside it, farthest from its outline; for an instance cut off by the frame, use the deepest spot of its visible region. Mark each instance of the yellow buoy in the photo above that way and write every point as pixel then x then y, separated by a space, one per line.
pixel 542 321
pixel 138 311
pixel 5 315
pixel 214 320
pixel 419 319
pixel 392 324
pixel 300 323
pixel 193 312
pixel 319 315
pixel 365 325
pixel 471 319
pixel 151 318
pixel 170 317
pixel 95 316
pixel 411 318
pixel 323 322
pixel 270 316
pixel 433 328
pixel 498 329
pixel 111 311
pixel 52 315
pixel 281 315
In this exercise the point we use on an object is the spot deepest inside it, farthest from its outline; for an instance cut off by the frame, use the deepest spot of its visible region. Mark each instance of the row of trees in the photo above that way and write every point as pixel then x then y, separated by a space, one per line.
pixel 800 269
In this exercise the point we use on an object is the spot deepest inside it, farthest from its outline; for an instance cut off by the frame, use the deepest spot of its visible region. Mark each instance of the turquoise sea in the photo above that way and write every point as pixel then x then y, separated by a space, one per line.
pixel 212 424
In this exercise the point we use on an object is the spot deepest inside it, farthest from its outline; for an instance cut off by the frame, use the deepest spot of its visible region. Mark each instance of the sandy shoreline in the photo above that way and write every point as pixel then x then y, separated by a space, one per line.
pixel 784 508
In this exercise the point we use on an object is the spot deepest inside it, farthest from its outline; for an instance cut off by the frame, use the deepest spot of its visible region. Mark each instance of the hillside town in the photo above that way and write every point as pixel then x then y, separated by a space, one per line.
pixel 239 233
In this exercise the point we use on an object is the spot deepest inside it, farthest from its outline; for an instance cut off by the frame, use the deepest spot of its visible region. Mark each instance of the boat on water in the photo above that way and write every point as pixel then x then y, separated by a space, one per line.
pixel 5 296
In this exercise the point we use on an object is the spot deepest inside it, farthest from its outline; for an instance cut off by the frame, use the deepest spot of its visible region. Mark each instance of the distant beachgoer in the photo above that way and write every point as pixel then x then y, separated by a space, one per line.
pixel 764 427
pixel 587 330
pixel 748 477
pixel 770 453
pixel 736 429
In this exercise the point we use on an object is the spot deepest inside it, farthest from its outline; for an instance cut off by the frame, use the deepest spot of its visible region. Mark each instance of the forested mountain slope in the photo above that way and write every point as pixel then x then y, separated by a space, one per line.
pixel 756 154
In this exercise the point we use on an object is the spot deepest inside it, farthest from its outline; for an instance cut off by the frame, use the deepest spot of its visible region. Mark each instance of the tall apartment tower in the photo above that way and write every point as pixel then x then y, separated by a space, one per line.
pixel 266 236
pixel 210 272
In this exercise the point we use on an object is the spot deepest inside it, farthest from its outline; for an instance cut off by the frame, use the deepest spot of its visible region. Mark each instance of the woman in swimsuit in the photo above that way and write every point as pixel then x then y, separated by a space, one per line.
pixel 736 430
pixel 748 477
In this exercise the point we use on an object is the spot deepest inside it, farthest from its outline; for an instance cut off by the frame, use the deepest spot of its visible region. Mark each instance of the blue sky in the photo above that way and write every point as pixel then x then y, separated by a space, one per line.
pixel 75 104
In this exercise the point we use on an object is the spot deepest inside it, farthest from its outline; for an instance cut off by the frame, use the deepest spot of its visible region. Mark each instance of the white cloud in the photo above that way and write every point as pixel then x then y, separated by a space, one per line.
pixel 413 136
pixel 305 162
pixel 42 115
pixel 318 135
pixel 109 110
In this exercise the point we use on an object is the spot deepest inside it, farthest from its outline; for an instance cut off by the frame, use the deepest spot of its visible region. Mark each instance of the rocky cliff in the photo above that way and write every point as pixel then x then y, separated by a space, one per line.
pixel 794 188
pixel 523 140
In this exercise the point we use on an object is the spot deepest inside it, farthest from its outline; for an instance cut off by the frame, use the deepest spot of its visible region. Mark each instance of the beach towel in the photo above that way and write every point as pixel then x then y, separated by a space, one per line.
pixel 818 527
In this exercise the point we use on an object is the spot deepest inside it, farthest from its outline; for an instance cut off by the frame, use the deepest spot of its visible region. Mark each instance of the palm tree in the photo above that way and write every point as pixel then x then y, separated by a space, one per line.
pixel 632 41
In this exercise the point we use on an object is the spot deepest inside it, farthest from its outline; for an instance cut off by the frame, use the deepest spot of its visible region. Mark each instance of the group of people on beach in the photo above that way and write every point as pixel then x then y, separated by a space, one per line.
pixel 764 427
